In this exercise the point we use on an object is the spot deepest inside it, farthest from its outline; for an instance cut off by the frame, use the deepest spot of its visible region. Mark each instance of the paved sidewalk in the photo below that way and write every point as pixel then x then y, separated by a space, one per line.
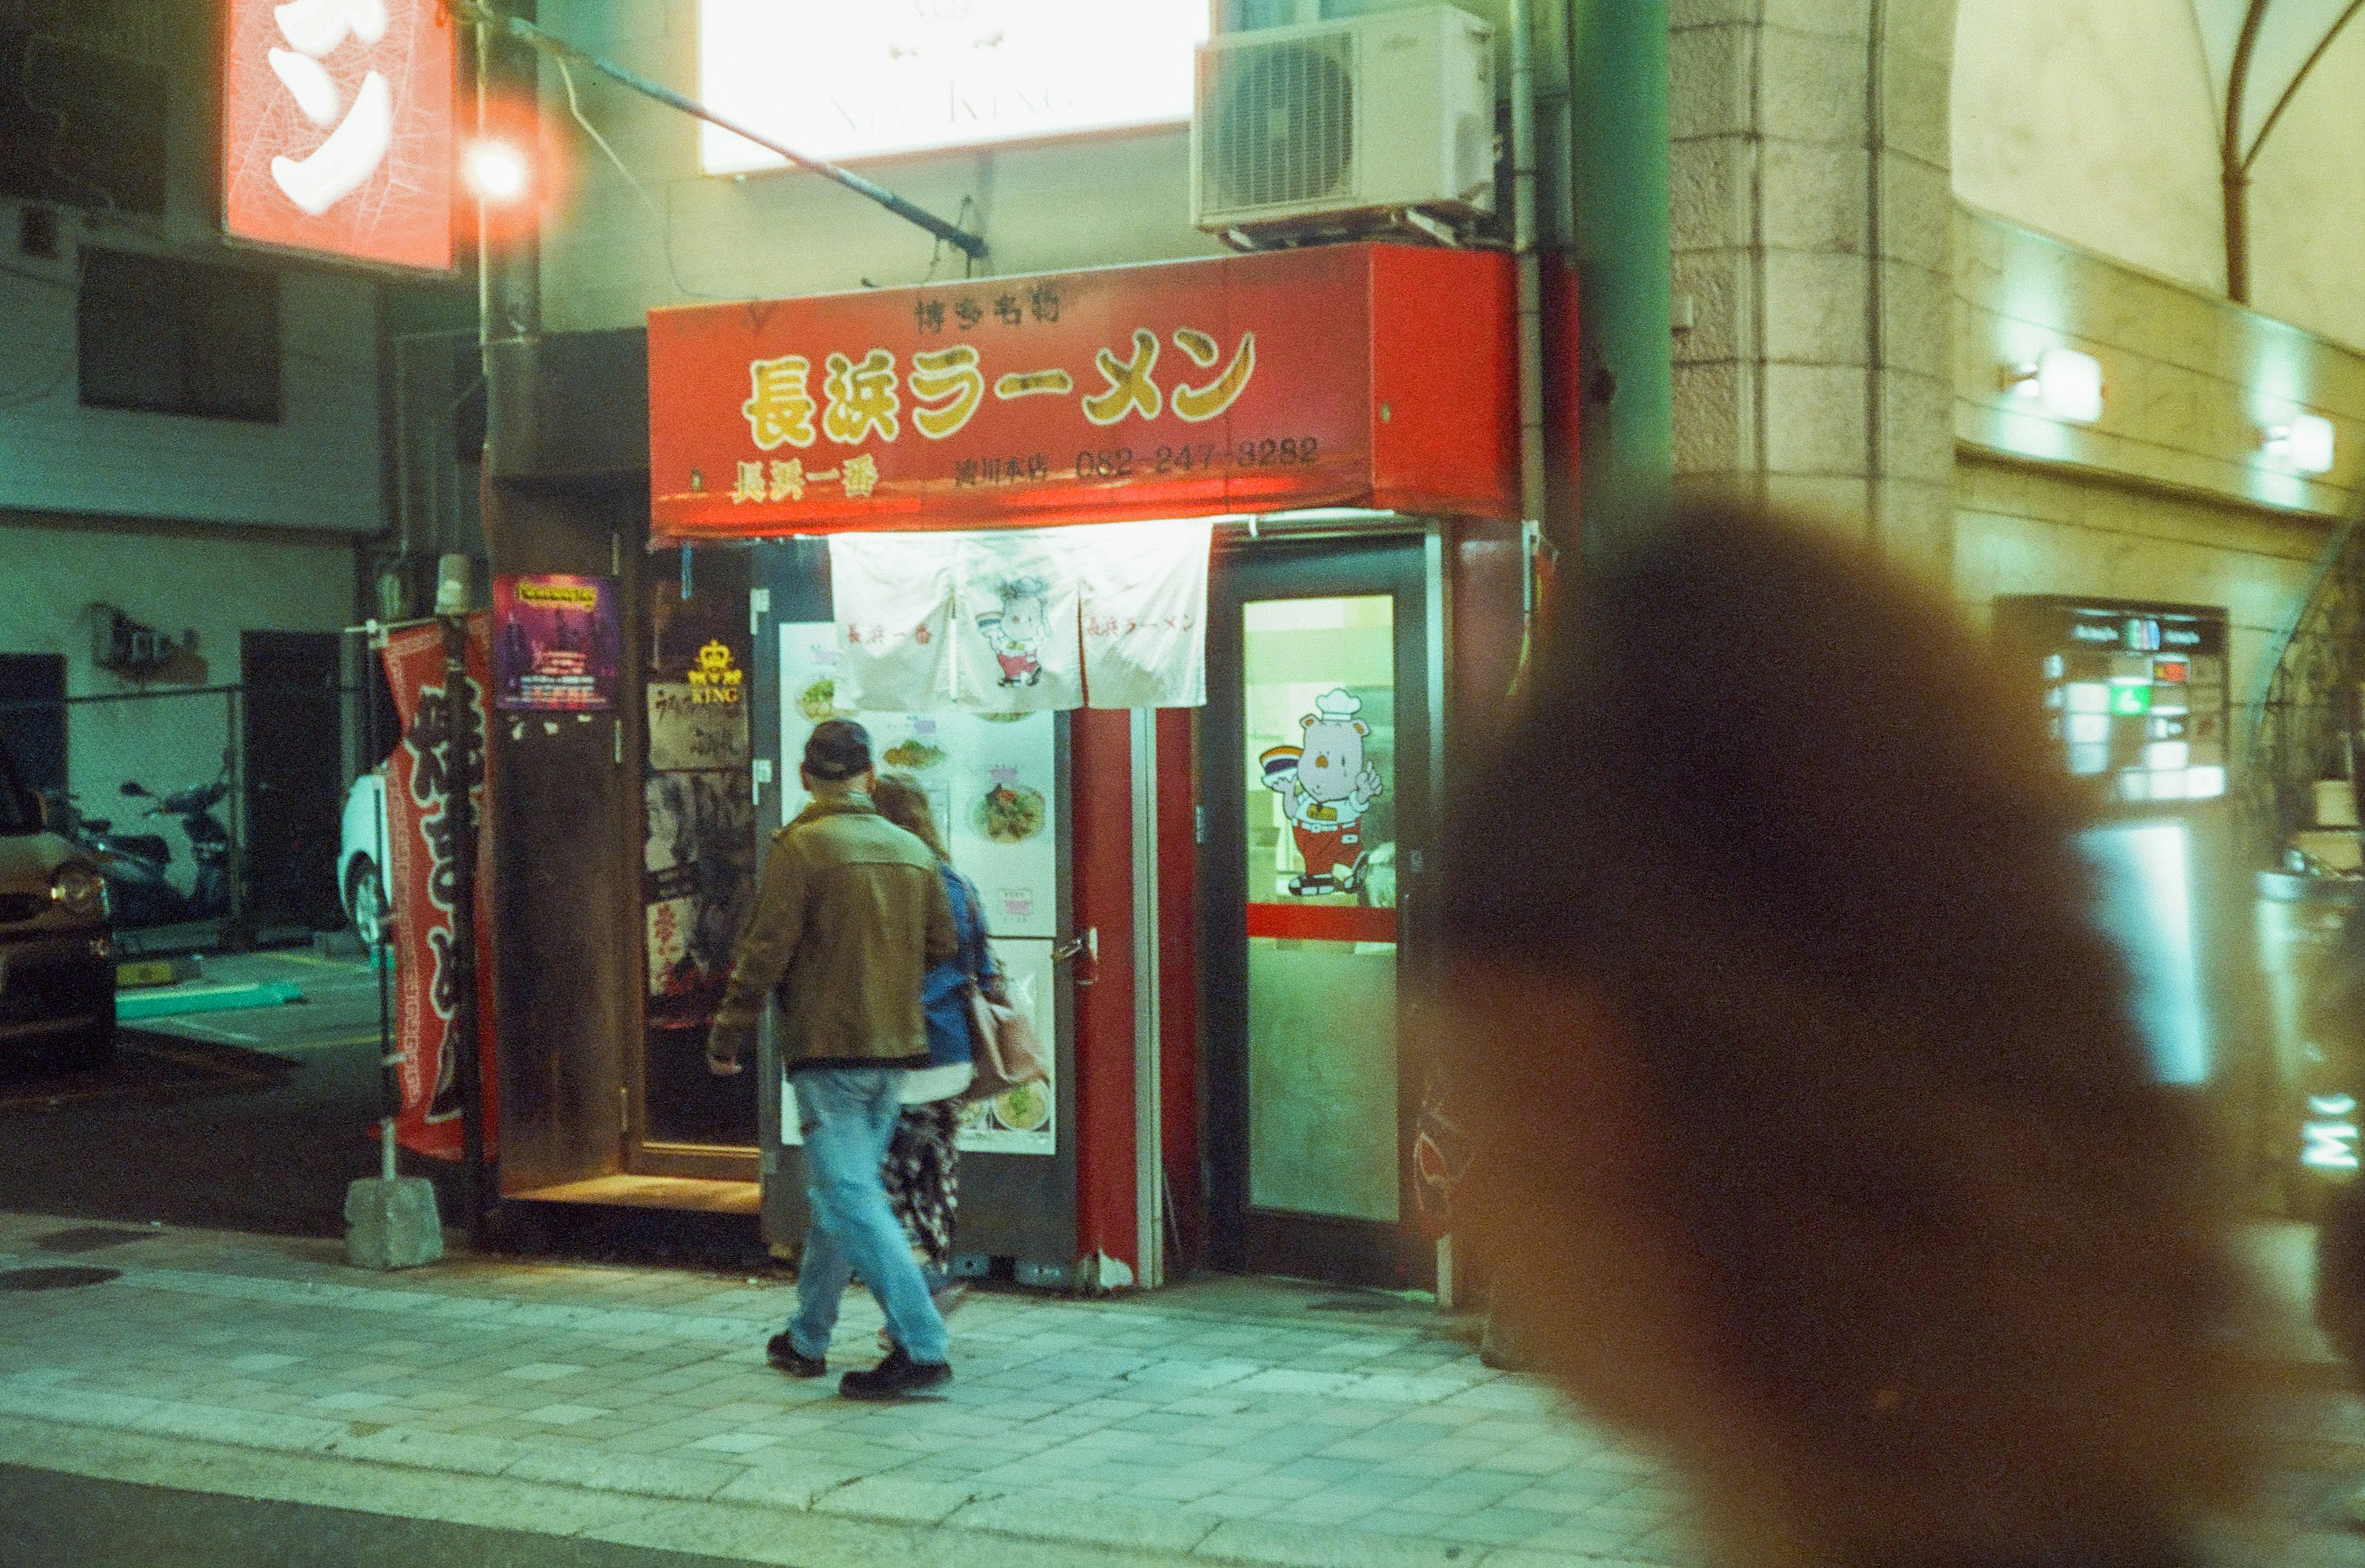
pixel 1246 1421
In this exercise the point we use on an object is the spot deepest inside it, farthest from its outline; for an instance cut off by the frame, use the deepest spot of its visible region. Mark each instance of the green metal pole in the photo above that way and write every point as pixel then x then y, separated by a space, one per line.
pixel 1618 179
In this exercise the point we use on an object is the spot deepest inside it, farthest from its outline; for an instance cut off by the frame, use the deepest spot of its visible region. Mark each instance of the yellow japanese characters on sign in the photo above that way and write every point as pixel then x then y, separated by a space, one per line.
pixel 949 384
pixel 1130 389
pixel 1200 403
pixel 564 596
pixel 862 399
pixel 779 409
pixel 1033 382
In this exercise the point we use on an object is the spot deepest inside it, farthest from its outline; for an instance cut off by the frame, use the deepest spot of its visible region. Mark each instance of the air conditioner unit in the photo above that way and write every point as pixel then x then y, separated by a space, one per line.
pixel 1380 113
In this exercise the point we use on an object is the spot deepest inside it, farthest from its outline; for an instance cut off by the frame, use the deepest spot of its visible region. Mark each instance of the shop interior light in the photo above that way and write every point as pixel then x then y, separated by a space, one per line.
pixel 2304 446
pixel 2064 383
pixel 496 171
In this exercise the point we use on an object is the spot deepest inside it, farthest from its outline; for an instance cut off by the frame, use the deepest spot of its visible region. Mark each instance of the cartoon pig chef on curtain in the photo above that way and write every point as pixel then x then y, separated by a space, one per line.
pixel 1325 787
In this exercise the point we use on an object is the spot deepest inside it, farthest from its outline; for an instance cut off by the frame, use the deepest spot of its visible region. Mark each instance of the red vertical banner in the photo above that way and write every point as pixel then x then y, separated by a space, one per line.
pixel 420 875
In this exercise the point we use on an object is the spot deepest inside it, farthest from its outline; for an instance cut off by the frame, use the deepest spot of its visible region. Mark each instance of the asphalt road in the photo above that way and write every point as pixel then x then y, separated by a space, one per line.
pixel 51 1520
pixel 248 1120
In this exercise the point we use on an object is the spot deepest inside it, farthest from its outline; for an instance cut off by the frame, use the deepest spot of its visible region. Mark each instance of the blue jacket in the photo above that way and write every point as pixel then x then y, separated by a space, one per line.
pixel 944 989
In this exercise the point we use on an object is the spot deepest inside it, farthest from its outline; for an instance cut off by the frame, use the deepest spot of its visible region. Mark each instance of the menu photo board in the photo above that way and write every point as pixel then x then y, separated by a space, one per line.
pixel 2136 694
pixel 990 779
pixel 991 783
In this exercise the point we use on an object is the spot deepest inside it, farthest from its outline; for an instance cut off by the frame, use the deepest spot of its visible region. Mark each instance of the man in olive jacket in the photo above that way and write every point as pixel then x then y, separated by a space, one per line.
pixel 850 912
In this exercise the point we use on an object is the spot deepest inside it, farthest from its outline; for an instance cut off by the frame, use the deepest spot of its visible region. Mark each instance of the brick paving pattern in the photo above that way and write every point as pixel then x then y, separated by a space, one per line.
pixel 1226 1417
pixel 1229 1420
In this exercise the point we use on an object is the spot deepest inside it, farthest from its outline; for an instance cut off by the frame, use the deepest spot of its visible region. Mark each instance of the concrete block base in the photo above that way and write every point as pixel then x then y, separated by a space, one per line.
pixel 392 1223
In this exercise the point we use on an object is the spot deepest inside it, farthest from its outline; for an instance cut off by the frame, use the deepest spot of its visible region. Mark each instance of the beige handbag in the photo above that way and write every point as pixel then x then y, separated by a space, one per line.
pixel 1002 1048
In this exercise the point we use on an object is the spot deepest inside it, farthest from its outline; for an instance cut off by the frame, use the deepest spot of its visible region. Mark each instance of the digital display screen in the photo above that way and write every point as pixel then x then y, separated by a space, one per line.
pixel 2136 695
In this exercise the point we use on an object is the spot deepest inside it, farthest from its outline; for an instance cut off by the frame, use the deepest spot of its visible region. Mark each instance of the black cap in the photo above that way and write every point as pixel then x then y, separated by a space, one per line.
pixel 837 750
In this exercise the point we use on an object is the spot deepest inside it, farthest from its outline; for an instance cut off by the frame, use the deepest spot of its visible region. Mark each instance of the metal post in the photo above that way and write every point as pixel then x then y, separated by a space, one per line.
pixel 237 936
pixel 1530 282
pixel 459 814
pixel 484 249
pixel 1618 172
pixel 389 1061
pixel 1149 1143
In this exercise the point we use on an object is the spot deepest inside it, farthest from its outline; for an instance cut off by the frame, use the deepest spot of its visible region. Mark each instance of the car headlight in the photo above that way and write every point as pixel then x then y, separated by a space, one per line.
pixel 81 890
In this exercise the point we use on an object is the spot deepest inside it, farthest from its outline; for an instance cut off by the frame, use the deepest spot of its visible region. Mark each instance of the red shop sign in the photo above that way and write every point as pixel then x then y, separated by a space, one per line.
pixel 1375 375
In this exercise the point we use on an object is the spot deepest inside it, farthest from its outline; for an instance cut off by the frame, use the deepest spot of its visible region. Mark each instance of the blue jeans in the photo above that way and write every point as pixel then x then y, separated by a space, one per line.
pixel 847 1116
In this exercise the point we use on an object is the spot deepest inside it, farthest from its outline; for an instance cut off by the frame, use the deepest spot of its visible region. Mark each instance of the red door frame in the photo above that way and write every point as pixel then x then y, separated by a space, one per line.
pixel 1101 786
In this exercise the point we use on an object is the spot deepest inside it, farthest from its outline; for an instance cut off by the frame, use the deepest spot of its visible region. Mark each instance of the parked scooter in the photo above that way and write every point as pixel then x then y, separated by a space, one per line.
pixel 135 865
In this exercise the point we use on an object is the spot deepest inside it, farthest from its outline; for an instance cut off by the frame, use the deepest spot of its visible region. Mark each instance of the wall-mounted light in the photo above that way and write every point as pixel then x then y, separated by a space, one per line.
pixel 2304 446
pixel 2064 383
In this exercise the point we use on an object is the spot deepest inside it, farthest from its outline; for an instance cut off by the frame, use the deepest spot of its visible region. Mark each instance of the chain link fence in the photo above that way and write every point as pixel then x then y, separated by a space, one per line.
pixel 215 813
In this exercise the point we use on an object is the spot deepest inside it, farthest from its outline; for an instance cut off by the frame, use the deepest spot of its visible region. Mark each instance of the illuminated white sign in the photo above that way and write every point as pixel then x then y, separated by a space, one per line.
pixel 846 79
pixel 2329 1146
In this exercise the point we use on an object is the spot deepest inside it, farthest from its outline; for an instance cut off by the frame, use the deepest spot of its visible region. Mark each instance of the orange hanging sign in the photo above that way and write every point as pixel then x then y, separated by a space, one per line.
pixel 337 132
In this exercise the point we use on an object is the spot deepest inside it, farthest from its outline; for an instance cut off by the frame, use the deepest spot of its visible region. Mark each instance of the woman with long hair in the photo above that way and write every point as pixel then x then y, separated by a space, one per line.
pixel 922 1171
pixel 1818 1148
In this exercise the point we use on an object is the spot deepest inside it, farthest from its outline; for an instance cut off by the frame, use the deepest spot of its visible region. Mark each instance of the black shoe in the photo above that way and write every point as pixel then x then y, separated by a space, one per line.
pixel 947 1296
pixel 893 1378
pixel 782 1352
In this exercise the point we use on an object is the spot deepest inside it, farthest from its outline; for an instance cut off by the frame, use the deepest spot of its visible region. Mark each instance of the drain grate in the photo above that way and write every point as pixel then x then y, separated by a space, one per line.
pixel 64 1277
pixel 90 1238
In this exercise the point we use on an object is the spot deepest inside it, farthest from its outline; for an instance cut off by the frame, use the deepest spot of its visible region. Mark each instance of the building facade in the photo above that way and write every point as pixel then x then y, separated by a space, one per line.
pixel 1882 213
pixel 193 435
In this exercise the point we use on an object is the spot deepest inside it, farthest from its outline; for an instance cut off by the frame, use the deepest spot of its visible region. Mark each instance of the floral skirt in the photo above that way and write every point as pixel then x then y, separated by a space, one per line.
pixel 922 1184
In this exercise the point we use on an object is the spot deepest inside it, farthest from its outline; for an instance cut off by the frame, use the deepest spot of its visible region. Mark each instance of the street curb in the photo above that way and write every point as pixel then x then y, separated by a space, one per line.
pixel 321 1463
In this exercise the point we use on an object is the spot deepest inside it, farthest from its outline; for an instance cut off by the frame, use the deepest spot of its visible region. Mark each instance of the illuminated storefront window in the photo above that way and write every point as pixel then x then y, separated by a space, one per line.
pixel 841 81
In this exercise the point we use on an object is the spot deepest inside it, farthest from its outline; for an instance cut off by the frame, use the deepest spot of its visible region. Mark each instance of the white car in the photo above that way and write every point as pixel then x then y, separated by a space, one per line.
pixel 361 866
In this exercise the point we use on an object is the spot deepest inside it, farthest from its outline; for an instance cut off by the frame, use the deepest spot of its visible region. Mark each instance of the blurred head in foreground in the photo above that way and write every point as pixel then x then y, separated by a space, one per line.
pixel 1817 1144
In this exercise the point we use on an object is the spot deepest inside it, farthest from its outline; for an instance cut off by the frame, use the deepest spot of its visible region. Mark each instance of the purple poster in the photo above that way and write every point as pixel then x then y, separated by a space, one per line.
pixel 555 643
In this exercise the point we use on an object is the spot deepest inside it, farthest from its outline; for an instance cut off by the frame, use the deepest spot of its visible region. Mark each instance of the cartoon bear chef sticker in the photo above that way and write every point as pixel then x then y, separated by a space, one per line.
pixel 1016 629
pixel 1326 786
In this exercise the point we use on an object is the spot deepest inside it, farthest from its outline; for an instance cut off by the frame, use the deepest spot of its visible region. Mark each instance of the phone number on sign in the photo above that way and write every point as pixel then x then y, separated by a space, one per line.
pixel 1124 462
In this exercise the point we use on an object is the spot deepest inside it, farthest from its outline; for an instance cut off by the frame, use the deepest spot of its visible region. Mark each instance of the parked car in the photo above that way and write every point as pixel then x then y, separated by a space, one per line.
pixel 360 869
pixel 57 951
